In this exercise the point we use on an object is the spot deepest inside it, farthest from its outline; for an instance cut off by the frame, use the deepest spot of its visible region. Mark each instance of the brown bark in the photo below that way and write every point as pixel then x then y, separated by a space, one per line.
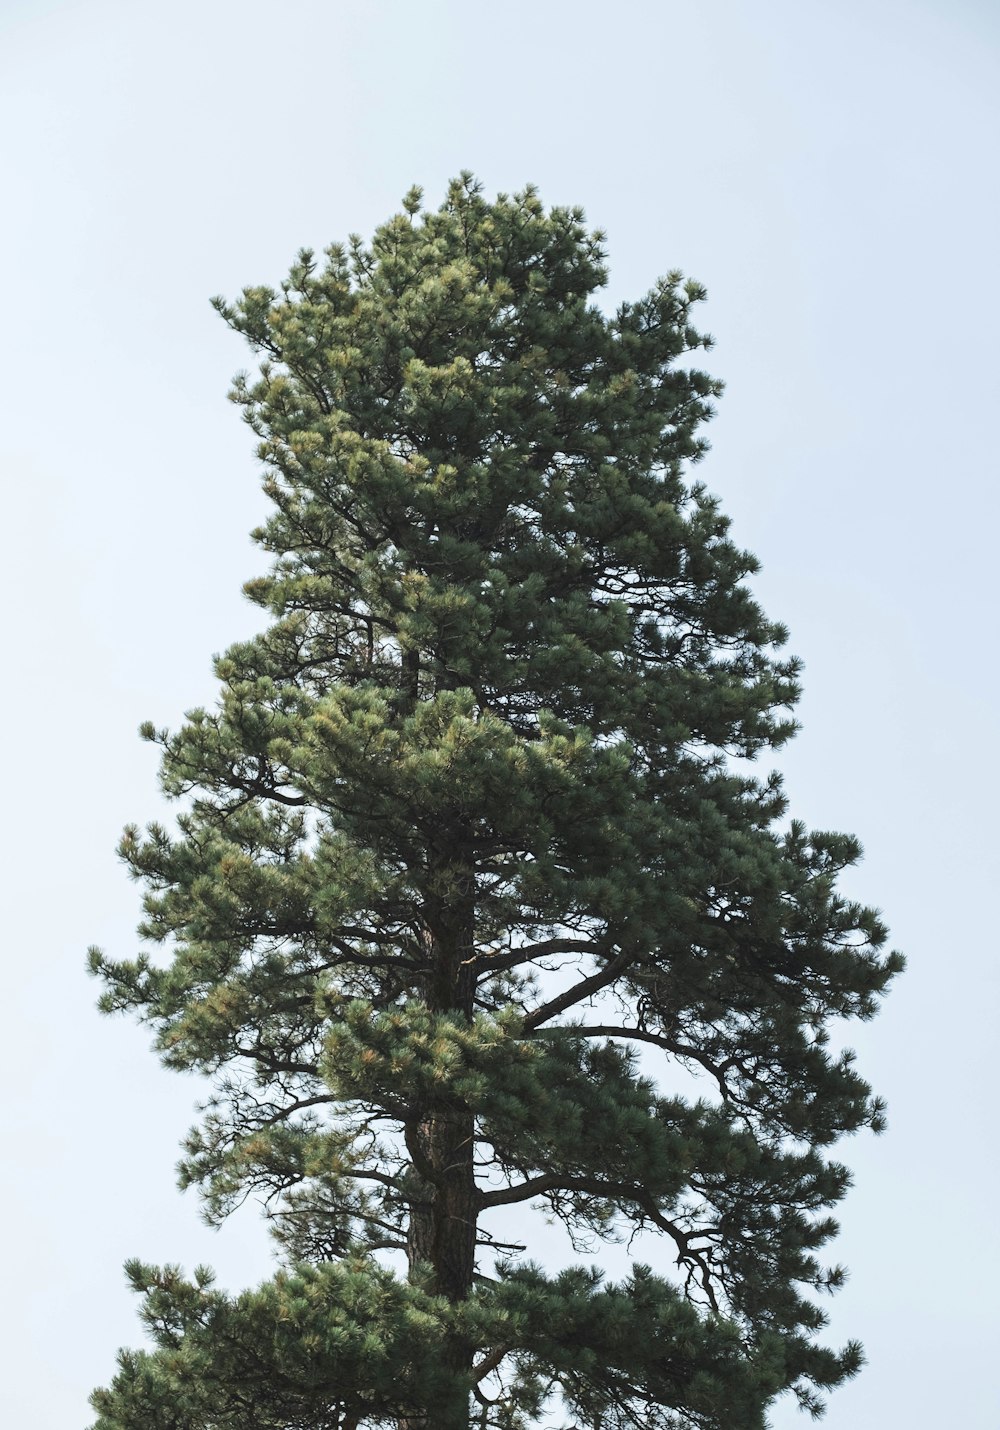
pixel 442 1230
pixel 442 1223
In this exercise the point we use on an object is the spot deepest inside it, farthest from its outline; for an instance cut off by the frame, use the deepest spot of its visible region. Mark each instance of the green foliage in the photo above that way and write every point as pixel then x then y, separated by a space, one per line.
pixel 471 829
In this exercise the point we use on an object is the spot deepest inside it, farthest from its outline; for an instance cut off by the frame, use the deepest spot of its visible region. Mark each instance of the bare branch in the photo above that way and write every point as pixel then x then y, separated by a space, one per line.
pixel 584 989
pixel 489 1363
pixel 496 962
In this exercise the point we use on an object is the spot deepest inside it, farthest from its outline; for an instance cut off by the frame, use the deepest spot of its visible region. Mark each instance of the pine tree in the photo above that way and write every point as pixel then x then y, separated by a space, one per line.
pixel 474 901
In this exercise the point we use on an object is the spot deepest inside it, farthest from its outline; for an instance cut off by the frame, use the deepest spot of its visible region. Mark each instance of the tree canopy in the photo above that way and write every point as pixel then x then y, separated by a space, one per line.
pixel 475 898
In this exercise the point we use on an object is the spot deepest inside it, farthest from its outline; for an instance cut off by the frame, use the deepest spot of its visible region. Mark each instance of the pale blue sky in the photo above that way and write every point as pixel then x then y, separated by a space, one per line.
pixel 829 171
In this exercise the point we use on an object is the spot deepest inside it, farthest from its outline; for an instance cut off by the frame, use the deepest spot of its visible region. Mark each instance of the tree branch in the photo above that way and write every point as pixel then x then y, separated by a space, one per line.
pixel 688 1255
pixel 642 1035
pixel 580 990
pixel 489 1363
pixel 497 962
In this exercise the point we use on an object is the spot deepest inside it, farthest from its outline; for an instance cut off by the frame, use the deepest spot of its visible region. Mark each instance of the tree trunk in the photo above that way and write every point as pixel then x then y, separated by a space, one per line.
pixel 442 1230
pixel 442 1224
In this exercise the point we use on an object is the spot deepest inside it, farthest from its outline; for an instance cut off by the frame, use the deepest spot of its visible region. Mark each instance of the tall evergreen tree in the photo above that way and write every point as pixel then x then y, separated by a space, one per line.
pixel 471 866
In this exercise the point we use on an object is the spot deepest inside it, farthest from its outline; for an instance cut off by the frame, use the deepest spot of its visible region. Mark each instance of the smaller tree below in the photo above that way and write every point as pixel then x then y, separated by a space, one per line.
pixel 472 904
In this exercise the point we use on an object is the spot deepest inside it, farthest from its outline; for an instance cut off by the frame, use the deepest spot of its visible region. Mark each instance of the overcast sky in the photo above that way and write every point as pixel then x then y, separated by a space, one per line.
pixel 828 168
